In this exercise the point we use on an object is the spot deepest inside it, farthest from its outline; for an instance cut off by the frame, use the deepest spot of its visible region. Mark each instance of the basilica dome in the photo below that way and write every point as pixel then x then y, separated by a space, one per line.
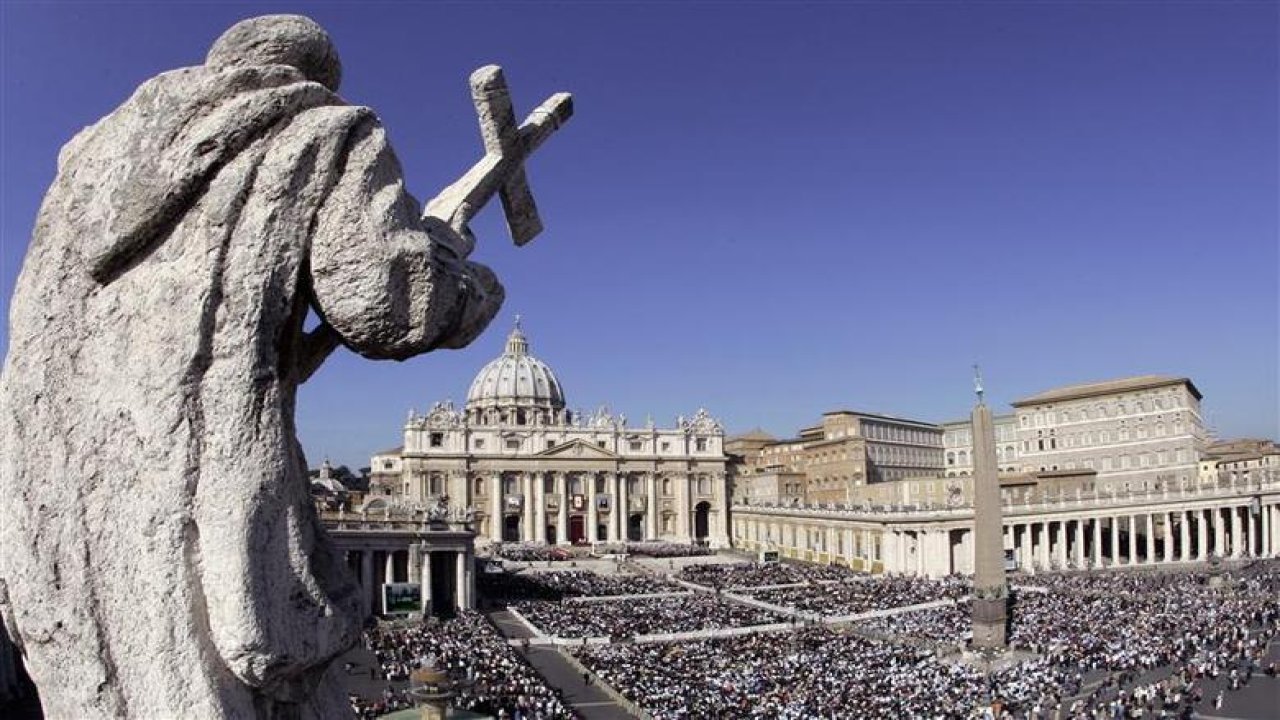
pixel 515 382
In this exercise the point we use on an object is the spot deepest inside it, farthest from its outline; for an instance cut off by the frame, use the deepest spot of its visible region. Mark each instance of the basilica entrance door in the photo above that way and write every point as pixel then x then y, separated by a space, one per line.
pixel 701 514
pixel 511 528
pixel 635 527
pixel 577 529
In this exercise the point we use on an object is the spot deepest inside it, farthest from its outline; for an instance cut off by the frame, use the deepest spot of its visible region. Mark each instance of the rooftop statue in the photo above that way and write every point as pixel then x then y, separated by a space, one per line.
pixel 161 555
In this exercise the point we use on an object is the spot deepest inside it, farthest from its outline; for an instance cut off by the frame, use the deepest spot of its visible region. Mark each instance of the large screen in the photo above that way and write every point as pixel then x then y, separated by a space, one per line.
pixel 399 598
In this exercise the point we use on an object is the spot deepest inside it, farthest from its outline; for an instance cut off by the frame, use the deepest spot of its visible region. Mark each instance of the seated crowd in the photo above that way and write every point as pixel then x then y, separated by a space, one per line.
pixel 642 616
pixel 655 548
pixel 569 583
pixel 747 575
pixel 947 625
pixel 492 677
pixel 1091 650
pixel 529 552
pixel 865 593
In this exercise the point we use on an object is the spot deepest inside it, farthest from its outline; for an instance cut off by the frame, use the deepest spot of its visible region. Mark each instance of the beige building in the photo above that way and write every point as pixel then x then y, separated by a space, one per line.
pixel 528 469
pixel 957 440
pixel 1134 432
pixel 1242 459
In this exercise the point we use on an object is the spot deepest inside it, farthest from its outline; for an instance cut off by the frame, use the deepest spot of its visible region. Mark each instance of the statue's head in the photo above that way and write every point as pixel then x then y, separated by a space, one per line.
pixel 291 40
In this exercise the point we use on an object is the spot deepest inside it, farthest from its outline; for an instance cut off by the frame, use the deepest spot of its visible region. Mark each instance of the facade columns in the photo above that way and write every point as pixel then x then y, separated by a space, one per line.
pixel 526 508
pixel 562 508
pixel 593 515
pixel 623 506
pixel 1168 537
pixel 683 531
pixel 540 507
pixel 615 512
pixel 495 506
pixel 1060 535
pixel 651 506
pixel 389 567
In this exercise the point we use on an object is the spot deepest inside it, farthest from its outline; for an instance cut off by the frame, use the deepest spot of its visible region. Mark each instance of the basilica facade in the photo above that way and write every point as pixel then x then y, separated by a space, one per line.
pixel 528 469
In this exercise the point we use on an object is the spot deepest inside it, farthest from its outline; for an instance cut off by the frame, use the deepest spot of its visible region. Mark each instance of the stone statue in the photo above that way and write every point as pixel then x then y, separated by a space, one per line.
pixel 161 552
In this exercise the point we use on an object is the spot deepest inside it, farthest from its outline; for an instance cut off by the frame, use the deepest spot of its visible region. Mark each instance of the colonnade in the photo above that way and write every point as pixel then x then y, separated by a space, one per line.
pixel 1231 528
pixel 446 577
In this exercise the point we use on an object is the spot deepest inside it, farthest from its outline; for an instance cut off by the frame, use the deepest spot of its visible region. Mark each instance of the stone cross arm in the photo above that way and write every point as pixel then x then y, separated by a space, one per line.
pixel 501 170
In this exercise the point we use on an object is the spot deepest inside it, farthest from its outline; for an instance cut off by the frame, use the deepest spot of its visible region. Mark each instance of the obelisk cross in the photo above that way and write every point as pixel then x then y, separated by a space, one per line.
pixel 501 170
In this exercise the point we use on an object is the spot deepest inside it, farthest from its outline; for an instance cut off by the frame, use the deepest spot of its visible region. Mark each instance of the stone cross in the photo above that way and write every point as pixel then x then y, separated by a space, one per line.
pixel 501 170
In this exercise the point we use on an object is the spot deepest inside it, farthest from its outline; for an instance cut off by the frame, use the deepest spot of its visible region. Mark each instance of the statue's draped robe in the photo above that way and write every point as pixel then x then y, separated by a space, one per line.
pixel 158 541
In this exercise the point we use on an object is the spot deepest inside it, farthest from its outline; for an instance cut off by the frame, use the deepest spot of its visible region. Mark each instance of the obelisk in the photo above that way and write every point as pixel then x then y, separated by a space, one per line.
pixel 990 588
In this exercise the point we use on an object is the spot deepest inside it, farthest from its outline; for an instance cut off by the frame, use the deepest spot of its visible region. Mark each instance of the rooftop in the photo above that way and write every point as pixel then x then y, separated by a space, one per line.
pixel 1107 387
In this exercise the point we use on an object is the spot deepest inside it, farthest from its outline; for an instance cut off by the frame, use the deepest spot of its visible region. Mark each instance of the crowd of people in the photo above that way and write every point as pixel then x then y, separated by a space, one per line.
pixel 1101 645
pixel 655 548
pixel 642 616
pixel 810 673
pixel 865 593
pixel 946 625
pixel 529 552
pixel 491 676
pixel 748 575
pixel 559 584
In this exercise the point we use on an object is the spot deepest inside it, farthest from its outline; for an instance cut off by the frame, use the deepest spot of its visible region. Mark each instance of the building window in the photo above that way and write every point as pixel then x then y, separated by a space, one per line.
pixel 551 444
pixel 509 485
pixel 479 443
pixel 437 484
pixel 479 486
pixel 513 443
pixel 636 445
pixel 388 464
pixel 600 443
pixel 436 439
pixel 666 446
pixel 666 486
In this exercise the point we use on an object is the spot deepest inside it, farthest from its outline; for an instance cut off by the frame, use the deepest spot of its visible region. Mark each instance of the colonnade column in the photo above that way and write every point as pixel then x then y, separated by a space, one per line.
pixel 1251 532
pixel 1097 542
pixel 366 580
pixel 389 567
pixel 593 516
pixel 1133 539
pixel 1168 537
pixel 426 583
pixel 1184 536
pixel 460 580
pixel 495 507
pixel 1268 542
pixel 1061 535
pixel 1079 553
pixel 540 506
pixel 1237 542
pixel 1202 535
pixel 1219 531
pixel 651 506
pixel 1151 538
pixel 1115 540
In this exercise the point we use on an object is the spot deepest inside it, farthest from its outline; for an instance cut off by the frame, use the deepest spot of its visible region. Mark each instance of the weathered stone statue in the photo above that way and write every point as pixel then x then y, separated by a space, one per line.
pixel 161 555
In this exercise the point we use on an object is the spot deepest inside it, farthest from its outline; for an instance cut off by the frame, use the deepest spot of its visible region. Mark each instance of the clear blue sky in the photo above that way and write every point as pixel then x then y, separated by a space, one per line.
pixel 772 210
